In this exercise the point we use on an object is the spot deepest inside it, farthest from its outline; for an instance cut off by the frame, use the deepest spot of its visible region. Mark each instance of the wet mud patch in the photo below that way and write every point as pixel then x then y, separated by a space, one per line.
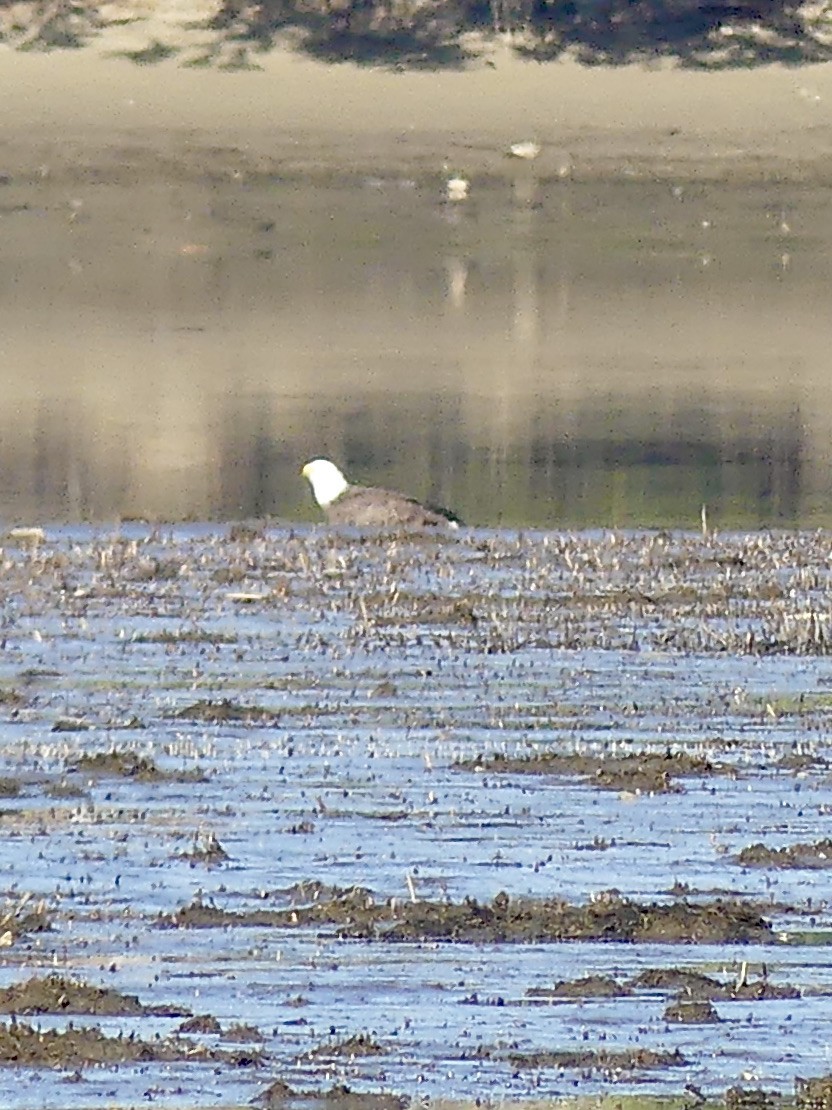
pixel 126 764
pixel 310 902
pixel 691 1013
pixel 226 712
pixel 186 637
pixel 609 1062
pixel 693 985
pixel 684 984
pixel 11 699
pixel 357 915
pixel 205 1024
pixel 280 1096
pixel 751 1098
pixel 57 994
pixel 639 772
pixel 22 1044
pixel 199 915
pixel 530 921
pixel 243 1034
pixel 593 986
pixel 809 857
pixel 206 850
pixel 358 1045
pixel 814 1094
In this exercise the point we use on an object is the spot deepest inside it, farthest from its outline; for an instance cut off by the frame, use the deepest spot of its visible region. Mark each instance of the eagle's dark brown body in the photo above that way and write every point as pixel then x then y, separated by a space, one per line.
pixel 371 507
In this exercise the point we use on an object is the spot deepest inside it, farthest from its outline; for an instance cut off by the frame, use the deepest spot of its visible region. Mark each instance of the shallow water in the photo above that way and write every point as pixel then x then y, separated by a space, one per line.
pixel 378 691
pixel 178 341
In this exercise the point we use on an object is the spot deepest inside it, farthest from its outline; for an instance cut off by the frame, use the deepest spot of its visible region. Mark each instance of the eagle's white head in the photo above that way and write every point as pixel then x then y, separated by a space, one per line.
pixel 327 481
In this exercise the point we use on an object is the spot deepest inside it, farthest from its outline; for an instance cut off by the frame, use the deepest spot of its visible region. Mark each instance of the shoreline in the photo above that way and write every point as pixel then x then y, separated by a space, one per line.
pixel 86 115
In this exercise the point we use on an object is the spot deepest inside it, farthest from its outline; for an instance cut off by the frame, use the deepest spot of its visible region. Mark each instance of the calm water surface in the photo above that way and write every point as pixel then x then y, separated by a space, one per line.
pixel 547 353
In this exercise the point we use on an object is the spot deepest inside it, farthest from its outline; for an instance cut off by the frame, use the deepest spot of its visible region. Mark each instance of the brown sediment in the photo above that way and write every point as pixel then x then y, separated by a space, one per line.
pixel 551 920
pixel 57 994
pixel 356 914
pixel 609 1062
pixel 316 903
pixel 802 761
pixel 639 772
pixel 593 986
pixel 750 1098
pixel 691 1013
pixel 359 1044
pixel 688 986
pixel 185 636
pixel 814 857
pixel 692 985
pixel 129 765
pixel 206 850
pixel 813 1094
pixel 243 1034
pixel 226 712
pixel 201 1023
pixel 198 915
pixel 244 533
pixel 22 1044
pixel 279 1095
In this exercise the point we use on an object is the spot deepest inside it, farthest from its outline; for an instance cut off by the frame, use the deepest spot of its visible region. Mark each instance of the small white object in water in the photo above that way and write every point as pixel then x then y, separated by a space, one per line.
pixel 527 149
pixel 456 188
pixel 24 536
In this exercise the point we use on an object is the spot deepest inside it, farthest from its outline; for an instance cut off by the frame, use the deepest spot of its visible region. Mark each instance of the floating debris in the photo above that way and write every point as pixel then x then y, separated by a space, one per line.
pixel 527 150
pixel 457 188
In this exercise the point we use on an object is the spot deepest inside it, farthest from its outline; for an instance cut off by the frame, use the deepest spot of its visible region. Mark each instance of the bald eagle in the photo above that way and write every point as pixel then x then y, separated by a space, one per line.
pixel 369 506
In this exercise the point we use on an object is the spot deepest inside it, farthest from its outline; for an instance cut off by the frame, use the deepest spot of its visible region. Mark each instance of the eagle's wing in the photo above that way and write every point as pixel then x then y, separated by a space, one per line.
pixel 372 507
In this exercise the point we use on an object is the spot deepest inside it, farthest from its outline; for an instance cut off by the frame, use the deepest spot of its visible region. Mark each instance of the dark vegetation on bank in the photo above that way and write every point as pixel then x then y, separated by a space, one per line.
pixel 437 34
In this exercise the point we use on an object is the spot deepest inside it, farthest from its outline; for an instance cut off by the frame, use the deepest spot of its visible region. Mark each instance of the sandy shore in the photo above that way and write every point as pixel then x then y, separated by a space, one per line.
pixel 92 107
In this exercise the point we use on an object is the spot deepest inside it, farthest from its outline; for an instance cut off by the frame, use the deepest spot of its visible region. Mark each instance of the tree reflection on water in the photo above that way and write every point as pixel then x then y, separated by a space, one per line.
pixel 441 34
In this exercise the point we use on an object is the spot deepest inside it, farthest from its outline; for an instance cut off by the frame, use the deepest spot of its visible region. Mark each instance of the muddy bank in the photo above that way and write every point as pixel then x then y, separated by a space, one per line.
pixel 812 857
pixel 57 994
pixel 611 1063
pixel 281 1095
pixel 644 773
pixel 22 1044
pixel 686 985
pixel 356 915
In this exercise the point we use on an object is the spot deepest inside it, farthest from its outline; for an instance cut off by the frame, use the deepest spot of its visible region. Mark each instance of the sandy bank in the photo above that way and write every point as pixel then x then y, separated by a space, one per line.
pixel 297 115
